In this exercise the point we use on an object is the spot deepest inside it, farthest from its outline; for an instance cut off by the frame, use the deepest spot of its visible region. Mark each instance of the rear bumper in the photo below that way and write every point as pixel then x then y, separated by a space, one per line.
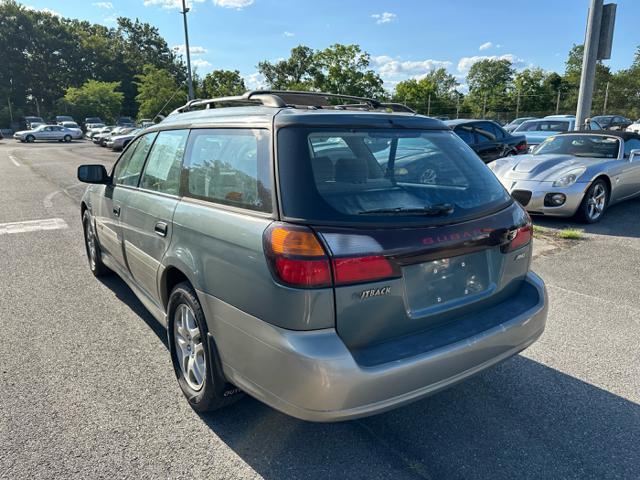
pixel 313 376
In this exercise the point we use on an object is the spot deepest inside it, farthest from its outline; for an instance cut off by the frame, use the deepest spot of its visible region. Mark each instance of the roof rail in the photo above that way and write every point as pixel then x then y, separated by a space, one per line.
pixel 291 98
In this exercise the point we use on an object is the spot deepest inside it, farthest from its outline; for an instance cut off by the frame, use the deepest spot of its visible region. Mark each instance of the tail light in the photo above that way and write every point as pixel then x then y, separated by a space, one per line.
pixel 519 238
pixel 522 147
pixel 298 259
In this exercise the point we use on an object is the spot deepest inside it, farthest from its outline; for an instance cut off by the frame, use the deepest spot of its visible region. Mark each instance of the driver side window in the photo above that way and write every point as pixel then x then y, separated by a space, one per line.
pixel 128 170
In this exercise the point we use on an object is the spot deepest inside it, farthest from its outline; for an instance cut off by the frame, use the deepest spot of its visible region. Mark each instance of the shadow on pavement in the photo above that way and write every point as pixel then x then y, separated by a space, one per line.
pixel 620 220
pixel 125 294
pixel 519 420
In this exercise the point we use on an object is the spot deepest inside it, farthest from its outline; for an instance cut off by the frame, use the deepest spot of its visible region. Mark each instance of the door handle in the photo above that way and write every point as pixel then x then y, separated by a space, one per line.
pixel 116 211
pixel 161 229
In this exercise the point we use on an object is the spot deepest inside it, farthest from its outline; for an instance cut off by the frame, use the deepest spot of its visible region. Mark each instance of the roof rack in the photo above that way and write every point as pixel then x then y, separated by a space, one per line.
pixel 292 98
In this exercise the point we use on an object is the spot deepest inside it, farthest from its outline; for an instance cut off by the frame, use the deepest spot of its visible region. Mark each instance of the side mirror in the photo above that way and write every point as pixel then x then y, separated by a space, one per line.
pixel 634 154
pixel 95 174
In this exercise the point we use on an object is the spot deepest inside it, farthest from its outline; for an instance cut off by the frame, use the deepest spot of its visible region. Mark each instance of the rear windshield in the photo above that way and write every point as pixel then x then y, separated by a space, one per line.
pixel 383 176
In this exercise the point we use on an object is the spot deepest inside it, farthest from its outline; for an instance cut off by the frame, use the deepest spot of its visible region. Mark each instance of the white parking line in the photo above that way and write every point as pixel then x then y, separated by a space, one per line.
pixel 15 162
pixel 33 225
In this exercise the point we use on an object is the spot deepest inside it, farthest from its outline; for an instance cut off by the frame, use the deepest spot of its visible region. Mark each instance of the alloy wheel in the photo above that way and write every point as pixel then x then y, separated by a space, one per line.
pixel 189 346
pixel 91 245
pixel 596 201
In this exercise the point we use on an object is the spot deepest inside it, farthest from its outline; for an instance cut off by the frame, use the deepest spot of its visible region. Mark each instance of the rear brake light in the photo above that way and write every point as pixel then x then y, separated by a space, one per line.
pixel 298 259
pixel 362 269
pixel 521 238
pixel 522 147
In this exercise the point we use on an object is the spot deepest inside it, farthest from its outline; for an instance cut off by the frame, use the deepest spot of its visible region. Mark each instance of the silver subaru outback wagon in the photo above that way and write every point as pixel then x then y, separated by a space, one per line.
pixel 334 257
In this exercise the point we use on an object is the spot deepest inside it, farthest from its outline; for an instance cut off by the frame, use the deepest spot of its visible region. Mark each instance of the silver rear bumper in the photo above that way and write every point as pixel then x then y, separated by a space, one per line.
pixel 312 375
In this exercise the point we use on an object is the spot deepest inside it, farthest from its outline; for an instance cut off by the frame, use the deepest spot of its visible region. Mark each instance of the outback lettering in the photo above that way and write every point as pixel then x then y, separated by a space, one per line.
pixel 375 292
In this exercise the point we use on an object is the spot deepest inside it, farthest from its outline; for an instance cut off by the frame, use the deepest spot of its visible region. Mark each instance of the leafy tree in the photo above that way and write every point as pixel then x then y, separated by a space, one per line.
pixel 158 92
pixel 533 91
pixel 345 69
pixel 489 83
pixel 294 73
pixel 573 71
pixel 95 98
pixel 437 85
pixel 222 83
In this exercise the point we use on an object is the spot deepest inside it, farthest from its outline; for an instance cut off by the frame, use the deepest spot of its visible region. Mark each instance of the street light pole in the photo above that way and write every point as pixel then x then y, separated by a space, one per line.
pixel 589 60
pixel 184 12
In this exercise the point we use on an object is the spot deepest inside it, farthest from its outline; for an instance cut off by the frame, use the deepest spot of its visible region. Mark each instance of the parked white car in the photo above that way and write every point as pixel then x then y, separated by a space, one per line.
pixel 634 127
pixel 75 128
pixel 45 132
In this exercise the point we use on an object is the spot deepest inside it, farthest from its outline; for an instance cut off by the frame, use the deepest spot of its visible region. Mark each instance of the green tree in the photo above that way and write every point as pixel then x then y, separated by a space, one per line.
pixel 222 83
pixel 158 92
pixel 571 77
pixel 95 98
pixel 344 69
pixel 434 93
pixel 490 82
pixel 294 73
pixel 535 95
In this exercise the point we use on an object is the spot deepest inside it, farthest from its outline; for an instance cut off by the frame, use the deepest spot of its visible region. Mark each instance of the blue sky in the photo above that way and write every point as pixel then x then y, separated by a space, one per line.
pixel 405 38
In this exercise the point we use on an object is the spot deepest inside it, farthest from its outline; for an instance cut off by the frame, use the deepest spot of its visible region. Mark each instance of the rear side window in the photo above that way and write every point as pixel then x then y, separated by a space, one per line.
pixel 485 133
pixel 230 167
pixel 465 132
pixel 162 172
pixel 363 176
pixel 128 169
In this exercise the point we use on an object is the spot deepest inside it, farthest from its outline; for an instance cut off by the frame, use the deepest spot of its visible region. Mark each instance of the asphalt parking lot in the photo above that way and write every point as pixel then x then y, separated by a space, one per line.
pixel 87 389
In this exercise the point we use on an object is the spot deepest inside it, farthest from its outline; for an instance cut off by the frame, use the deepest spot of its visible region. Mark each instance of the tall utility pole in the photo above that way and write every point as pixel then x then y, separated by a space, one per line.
pixel 518 105
pixel 457 106
pixel 429 106
pixel 606 100
pixel 558 102
pixel 184 12
pixel 484 105
pixel 597 46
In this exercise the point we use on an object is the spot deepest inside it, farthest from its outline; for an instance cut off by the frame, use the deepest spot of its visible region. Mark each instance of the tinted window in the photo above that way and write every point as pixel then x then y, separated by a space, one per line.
pixel 465 132
pixel 129 172
pixel 162 171
pixel 485 133
pixel 580 145
pixel 381 169
pixel 631 144
pixel 230 166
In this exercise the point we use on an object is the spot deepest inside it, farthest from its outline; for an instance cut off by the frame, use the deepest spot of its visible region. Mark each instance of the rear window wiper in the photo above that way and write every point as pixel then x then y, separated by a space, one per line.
pixel 433 210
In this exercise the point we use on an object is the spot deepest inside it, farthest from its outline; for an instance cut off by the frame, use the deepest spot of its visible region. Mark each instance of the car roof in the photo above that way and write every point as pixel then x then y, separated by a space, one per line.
pixel 462 121
pixel 265 108
pixel 607 133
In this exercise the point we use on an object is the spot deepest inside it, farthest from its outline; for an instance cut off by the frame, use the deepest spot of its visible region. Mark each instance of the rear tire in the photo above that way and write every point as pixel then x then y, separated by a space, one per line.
pixel 94 255
pixel 67 138
pixel 30 139
pixel 194 354
pixel 594 203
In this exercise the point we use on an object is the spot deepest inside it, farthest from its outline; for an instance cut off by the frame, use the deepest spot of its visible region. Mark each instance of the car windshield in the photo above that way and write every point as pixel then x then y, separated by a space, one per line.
pixel 580 145
pixel 383 176
pixel 604 121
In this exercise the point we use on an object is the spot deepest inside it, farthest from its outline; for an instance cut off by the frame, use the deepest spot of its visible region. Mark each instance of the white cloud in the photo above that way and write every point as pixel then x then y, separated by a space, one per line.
pixel 111 19
pixel 288 34
pixel 200 63
pixel 194 50
pixel 465 63
pixel 168 4
pixel 255 81
pixel 485 46
pixel 105 5
pixel 43 10
pixel 391 69
pixel 384 17
pixel 237 4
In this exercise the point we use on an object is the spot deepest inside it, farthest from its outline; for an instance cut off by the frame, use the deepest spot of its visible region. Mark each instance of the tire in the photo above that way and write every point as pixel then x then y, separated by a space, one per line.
pixel 193 350
pixel 595 202
pixel 30 139
pixel 92 247
pixel 67 138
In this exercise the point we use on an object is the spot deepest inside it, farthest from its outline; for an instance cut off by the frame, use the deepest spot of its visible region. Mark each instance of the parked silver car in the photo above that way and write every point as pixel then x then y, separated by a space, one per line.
pixel 120 141
pixel 574 173
pixel 45 132
pixel 351 288
pixel 536 131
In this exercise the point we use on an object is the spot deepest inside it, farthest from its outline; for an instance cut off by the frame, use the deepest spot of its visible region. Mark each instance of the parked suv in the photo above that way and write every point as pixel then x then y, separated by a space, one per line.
pixel 295 252
pixel 488 139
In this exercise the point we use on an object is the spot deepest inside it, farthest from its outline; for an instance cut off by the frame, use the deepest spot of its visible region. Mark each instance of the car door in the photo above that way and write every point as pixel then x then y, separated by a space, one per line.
pixel 631 170
pixel 43 133
pixel 107 212
pixel 148 214
pixel 487 145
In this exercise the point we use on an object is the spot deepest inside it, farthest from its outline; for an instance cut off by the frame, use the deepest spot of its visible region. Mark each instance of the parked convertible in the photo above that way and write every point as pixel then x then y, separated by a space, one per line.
pixel 574 173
